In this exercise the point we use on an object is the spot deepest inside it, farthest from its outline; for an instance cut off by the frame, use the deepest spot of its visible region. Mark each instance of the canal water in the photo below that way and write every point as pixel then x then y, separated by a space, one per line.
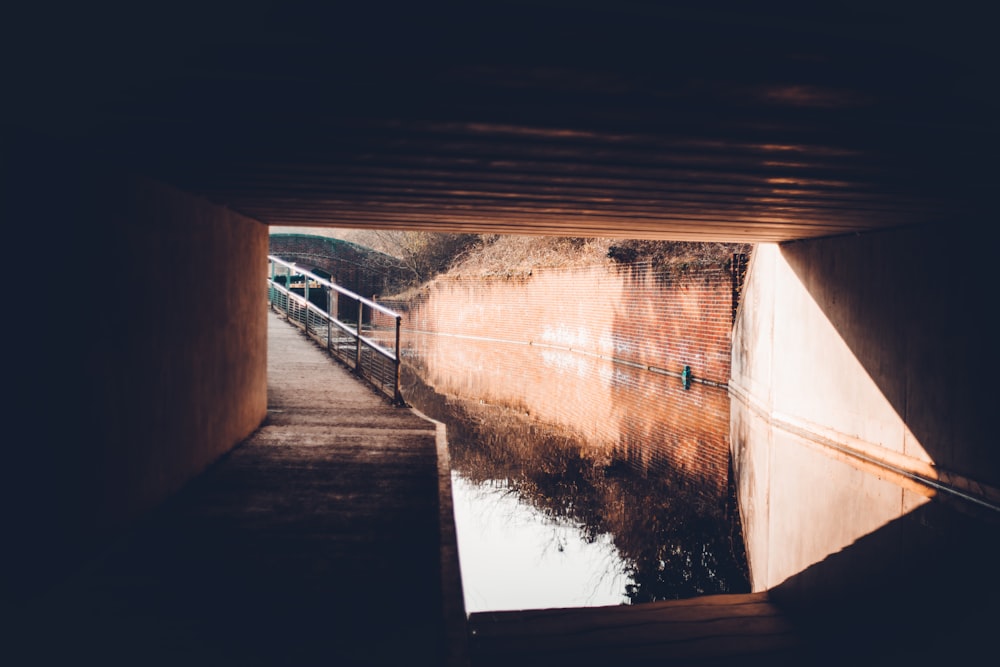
pixel 578 481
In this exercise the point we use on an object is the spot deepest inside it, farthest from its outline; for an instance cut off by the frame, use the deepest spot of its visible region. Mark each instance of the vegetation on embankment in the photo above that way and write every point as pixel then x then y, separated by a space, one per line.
pixel 426 255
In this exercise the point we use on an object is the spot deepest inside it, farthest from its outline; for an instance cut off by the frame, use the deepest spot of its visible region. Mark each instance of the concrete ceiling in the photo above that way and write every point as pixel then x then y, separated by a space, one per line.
pixel 632 119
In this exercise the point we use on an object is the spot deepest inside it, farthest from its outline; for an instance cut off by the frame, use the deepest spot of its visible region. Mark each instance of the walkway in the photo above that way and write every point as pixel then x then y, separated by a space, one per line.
pixel 317 541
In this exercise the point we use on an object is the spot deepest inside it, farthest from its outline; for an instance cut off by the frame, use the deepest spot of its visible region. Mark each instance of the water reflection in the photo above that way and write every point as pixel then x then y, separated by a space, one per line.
pixel 635 503
pixel 516 556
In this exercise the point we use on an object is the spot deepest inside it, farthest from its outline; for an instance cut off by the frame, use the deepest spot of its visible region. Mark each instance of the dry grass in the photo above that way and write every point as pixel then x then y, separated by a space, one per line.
pixel 427 254
pixel 510 255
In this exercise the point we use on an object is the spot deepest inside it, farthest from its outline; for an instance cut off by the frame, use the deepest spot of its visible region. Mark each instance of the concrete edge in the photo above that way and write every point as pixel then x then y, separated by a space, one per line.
pixel 915 475
pixel 453 597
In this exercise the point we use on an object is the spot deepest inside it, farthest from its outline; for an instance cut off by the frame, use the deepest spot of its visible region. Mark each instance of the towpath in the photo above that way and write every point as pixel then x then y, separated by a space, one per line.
pixel 319 540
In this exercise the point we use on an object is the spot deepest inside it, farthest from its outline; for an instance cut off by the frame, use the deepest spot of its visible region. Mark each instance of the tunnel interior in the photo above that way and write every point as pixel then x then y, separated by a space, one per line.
pixel 161 143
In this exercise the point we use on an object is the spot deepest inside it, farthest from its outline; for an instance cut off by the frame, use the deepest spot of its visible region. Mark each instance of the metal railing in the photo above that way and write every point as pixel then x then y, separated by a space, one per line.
pixel 314 304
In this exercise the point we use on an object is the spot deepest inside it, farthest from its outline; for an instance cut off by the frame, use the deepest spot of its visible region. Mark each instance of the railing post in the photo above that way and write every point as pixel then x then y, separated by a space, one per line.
pixel 305 293
pixel 329 317
pixel 357 353
pixel 397 396
pixel 288 293
pixel 270 285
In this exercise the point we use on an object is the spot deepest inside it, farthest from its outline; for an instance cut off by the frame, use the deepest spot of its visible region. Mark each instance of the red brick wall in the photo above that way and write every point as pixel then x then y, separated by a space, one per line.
pixel 549 340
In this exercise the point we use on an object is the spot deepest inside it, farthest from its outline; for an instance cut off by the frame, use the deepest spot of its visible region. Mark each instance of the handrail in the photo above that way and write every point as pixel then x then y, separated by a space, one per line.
pixel 369 359
pixel 343 290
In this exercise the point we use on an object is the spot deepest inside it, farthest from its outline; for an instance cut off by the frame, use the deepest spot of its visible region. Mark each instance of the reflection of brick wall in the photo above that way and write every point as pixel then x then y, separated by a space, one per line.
pixel 632 314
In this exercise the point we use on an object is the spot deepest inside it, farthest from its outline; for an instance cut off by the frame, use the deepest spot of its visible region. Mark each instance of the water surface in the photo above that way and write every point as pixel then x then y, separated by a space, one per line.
pixel 620 496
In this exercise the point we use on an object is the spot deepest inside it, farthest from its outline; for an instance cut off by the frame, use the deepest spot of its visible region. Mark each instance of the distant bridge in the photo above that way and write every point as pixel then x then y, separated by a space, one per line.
pixel 359 269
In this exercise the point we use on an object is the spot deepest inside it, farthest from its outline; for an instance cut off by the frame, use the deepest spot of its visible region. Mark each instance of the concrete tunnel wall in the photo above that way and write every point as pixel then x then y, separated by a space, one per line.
pixel 139 349
pixel 860 366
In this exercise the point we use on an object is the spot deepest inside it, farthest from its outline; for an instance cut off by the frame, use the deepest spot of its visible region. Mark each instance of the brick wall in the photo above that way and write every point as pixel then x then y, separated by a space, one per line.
pixel 562 345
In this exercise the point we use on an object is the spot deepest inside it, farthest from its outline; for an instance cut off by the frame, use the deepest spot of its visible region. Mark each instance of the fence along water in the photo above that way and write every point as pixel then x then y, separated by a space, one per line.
pixel 336 318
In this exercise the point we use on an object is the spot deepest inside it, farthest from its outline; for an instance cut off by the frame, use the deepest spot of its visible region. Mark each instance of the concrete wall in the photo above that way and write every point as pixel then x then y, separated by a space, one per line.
pixel 862 387
pixel 144 361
